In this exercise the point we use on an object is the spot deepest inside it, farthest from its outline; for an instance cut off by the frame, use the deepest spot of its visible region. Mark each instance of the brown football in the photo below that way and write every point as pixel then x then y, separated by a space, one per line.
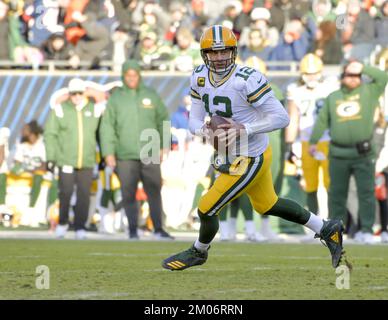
pixel 215 121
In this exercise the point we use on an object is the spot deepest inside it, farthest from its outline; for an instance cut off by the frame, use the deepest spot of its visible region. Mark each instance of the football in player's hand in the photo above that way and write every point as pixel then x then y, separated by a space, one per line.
pixel 215 121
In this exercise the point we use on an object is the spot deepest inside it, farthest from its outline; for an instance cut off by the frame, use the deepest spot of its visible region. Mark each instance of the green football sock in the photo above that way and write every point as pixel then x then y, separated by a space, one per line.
pixel 53 192
pixel 223 213
pixel 312 201
pixel 246 207
pixel 209 227
pixel 37 180
pixel 289 210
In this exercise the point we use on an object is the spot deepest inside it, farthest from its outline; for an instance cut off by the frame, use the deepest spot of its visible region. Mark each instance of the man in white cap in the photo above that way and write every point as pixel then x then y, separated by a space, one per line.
pixel 70 139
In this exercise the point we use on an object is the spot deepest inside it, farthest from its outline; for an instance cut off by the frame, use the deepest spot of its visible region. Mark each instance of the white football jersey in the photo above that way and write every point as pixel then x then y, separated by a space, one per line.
pixel 309 102
pixel 31 155
pixel 238 96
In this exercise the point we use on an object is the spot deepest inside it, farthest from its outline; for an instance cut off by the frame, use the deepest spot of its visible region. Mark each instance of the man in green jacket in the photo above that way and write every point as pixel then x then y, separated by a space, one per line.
pixel 348 114
pixel 131 136
pixel 70 140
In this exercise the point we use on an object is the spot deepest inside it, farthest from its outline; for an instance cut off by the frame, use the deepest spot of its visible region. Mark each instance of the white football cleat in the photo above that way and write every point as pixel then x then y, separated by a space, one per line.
pixel 224 231
pixel 80 234
pixel 359 236
pixel 256 237
pixel 368 238
pixel 384 237
pixel 61 230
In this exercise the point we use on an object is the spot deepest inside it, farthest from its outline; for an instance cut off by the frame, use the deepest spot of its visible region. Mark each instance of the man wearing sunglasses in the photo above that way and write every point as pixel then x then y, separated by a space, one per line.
pixel 70 140
pixel 349 113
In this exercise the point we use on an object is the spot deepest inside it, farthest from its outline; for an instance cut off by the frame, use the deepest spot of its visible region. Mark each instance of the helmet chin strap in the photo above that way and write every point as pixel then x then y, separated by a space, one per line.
pixel 312 84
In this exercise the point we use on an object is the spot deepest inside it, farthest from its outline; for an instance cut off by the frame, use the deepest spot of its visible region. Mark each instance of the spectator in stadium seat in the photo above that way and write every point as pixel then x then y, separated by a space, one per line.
pixel 229 15
pixel 133 110
pixel 257 46
pixel 56 47
pixel 71 139
pixel 278 15
pixel 185 54
pixel 244 18
pixel 321 11
pixel 358 34
pixel 90 46
pixel 283 11
pixel 197 19
pixel 295 41
pixel 44 23
pixel 73 31
pixel 123 12
pixel 178 13
pixel 13 46
pixel 349 113
pixel 152 18
pixel 260 20
pixel 151 52
pixel 381 26
pixel 327 44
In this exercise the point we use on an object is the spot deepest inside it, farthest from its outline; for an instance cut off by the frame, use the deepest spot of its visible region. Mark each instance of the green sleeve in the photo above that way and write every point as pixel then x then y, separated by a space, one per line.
pixel 322 122
pixel 106 132
pixel 379 80
pixel 51 137
pixel 162 117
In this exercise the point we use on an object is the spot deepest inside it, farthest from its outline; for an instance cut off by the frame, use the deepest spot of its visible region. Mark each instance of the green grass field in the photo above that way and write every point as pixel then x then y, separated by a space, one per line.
pixel 131 270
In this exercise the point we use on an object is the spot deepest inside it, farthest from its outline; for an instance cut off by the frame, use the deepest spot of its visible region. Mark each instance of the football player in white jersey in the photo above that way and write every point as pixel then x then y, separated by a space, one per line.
pixel 305 100
pixel 243 96
pixel 30 156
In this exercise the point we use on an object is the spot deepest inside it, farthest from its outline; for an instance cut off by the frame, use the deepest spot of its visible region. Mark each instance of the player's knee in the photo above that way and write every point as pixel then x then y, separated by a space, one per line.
pixel 267 210
pixel 205 215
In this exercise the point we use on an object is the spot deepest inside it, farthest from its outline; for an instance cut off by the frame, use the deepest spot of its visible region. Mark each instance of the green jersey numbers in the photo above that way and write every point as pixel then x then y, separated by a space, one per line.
pixel 245 72
pixel 219 101
pixel 228 106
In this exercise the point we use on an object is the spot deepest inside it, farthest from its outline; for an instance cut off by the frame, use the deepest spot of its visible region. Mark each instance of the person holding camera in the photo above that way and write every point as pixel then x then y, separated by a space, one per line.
pixel 349 113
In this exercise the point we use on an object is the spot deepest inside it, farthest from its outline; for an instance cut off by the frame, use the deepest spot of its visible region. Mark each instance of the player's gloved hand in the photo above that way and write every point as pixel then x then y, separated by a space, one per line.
pixel 50 166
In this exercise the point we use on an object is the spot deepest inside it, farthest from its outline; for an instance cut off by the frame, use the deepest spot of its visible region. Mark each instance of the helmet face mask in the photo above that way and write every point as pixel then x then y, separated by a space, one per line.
pixel 217 65
pixel 312 79
pixel 215 42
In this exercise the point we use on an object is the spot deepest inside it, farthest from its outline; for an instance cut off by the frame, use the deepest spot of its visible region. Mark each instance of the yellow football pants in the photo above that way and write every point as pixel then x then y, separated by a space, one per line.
pixel 256 182
pixel 310 166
